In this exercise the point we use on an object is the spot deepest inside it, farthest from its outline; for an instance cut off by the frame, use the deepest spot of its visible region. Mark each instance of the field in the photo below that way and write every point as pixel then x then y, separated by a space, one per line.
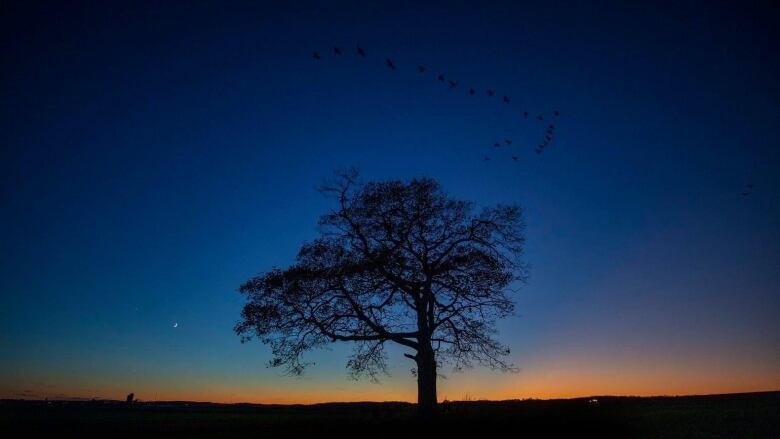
pixel 755 415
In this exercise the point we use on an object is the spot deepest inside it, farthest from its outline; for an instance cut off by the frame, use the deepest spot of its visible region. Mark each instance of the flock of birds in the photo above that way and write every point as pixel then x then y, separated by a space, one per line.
pixel 548 133
pixel 421 69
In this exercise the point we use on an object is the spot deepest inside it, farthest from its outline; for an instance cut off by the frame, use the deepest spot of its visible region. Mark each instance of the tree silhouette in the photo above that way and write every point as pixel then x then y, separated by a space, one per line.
pixel 395 262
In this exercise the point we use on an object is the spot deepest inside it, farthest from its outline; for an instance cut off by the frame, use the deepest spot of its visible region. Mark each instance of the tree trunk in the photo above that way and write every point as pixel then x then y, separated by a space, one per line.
pixel 426 381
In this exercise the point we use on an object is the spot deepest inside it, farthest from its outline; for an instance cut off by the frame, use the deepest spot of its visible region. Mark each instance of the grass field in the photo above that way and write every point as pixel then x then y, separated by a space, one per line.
pixel 755 415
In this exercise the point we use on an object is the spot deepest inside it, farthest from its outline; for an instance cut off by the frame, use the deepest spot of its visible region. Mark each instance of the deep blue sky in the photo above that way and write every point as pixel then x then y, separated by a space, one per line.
pixel 154 156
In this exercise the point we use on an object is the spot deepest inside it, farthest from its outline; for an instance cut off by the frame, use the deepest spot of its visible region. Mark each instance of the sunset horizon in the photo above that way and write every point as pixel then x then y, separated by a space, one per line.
pixel 313 202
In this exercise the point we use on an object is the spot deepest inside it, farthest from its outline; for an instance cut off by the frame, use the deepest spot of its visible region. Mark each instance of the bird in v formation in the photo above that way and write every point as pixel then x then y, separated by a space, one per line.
pixel 548 137
pixel 337 51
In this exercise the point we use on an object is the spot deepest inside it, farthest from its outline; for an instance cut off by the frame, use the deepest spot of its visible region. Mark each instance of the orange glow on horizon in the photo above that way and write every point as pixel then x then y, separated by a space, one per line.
pixel 551 385
pixel 578 372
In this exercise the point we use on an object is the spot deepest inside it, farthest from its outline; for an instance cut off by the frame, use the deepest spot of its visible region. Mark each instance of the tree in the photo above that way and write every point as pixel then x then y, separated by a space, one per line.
pixel 395 262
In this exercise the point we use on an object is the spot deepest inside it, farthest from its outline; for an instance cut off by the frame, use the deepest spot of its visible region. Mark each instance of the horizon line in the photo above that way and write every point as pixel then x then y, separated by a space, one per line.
pixel 595 396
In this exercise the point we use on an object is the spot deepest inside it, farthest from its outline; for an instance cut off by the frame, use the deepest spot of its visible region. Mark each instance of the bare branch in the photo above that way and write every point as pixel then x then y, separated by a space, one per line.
pixel 395 262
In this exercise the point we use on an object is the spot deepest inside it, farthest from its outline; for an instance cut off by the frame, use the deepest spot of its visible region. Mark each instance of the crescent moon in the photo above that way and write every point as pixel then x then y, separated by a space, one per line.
pixel 175 324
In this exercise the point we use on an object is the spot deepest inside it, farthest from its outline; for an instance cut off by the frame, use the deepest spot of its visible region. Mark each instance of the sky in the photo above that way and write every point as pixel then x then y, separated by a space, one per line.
pixel 153 156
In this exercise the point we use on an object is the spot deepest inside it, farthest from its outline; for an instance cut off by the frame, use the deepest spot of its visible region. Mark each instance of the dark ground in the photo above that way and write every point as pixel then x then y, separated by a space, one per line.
pixel 754 415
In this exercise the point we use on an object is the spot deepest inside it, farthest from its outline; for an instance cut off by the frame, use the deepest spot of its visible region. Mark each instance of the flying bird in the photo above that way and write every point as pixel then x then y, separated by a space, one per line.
pixel 490 92
pixel 472 91
pixel 744 194
pixel 749 185
pixel 390 63
pixel 421 68
pixel 525 114
pixel 508 141
pixel 453 83
pixel 360 51
pixel 556 113
pixel 440 78
pixel 315 55
pixel 337 50
pixel 486 159
pixel 514 157
pixel 506 99
pixel 496 144
pixel 540 117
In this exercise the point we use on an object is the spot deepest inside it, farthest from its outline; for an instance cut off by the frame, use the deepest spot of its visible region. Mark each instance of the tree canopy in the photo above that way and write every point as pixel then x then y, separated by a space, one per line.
pixel 394 262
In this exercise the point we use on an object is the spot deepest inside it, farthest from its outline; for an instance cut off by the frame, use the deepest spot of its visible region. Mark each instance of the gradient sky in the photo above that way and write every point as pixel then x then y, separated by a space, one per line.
pixel 155 156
